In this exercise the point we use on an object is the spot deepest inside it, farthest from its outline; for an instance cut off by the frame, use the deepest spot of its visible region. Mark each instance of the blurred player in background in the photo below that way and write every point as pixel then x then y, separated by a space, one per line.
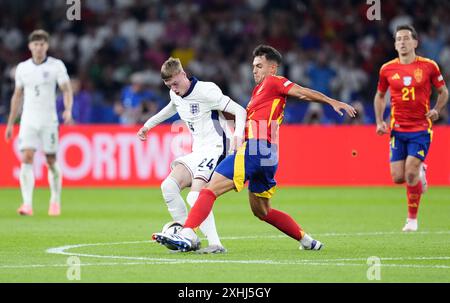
pixel 257 159
pixel 199 105
pixel 409 78
pixel 36 81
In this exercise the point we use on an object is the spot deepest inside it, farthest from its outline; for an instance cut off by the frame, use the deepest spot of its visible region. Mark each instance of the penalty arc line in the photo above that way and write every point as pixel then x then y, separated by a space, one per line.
pixel 63 250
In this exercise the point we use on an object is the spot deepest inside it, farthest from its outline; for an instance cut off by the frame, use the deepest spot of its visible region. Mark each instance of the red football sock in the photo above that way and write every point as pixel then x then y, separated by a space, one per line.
pixel 413 194
pixel 201 208
pixel 285 223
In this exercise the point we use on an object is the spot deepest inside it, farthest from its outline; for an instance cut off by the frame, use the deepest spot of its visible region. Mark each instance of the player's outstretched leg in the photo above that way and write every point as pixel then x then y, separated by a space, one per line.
pixel 282 221
pixel 285 223
pixel 208 228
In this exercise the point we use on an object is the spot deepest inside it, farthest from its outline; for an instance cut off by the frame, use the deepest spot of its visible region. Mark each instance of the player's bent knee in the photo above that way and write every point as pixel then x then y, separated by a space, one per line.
pixel 219 184
pixel 51 161
pixel 260 213
pixel 27 160
pixel 398 179
pixel 27 157
pixel 412 178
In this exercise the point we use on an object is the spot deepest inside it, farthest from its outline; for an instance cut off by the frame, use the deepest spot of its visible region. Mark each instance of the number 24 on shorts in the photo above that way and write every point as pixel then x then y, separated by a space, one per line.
pixel 210 164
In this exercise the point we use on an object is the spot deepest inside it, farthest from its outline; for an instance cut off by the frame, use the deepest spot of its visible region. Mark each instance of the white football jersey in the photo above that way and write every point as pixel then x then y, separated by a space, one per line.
pixel 39 82
pixel 200 108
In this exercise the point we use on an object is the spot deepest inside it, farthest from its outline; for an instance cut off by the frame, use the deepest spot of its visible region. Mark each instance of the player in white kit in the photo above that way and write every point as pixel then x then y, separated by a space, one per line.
pixel 200 105
pixel 35 82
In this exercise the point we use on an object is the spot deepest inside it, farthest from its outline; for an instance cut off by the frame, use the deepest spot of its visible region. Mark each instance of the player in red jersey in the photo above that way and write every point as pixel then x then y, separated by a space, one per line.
pixel 257 159
pixel 409 78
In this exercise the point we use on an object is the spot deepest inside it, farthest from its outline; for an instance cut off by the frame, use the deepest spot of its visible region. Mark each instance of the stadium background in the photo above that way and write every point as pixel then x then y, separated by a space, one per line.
pixel 113 54
pixel 327 45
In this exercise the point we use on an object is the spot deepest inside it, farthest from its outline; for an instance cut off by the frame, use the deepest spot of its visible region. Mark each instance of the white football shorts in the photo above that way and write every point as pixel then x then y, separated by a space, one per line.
pixel 200 165
pixel 45 137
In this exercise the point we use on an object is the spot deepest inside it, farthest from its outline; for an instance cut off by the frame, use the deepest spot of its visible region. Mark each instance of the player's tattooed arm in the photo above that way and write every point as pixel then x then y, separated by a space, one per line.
pixel 442 100
pixel 308 94
pixel 66 89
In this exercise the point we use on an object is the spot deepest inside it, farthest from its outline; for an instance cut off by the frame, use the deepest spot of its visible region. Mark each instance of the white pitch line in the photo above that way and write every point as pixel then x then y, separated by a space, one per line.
pixel 382 233
pixel 62 250
pixel 204 261
pixel 358 234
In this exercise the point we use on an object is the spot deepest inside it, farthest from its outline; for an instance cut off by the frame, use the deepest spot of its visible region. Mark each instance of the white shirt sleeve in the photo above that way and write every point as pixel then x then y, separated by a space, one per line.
pixel 61 73
pixel 216 98
pixel 162 116
pixel 240 115
pixel 18 76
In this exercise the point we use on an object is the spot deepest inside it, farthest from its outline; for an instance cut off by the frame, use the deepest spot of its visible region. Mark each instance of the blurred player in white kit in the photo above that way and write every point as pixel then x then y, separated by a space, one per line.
pixel 35 83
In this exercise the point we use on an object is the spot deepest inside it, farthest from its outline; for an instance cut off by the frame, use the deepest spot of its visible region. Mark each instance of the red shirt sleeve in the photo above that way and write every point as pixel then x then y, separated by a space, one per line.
pixel 383 83
pixel 281 84
pixel 436 77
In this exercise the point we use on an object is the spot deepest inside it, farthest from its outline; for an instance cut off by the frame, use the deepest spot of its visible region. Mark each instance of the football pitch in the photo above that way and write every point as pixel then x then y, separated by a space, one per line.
pixel 109 230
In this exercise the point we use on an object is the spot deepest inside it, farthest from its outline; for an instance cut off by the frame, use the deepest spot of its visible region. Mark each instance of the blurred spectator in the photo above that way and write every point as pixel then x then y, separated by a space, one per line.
pixel 183 51
pixel 350 80
pixel 152 29
pixel 315 115
pixel 329 46
pixel 82 104
pixel 137 103
pixel 431 44
pixel 401 18
pixel 360 118
pixel 321 74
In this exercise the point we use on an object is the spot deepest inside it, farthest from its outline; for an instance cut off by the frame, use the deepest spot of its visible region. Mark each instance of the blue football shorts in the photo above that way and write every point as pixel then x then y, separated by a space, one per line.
pixel 255 161
pixel 405 144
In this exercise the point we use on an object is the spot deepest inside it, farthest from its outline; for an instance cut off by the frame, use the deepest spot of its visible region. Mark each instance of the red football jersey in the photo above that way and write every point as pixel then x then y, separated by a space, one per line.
pixel 266 107
pixel 410 87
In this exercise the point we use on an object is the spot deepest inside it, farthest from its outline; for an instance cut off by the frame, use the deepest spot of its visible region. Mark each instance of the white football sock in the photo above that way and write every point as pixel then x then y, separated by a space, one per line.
pixel 55 180
pixel 189 233
pixel 208 227
pixel 26 177
pixel 306 240
pixel 175 203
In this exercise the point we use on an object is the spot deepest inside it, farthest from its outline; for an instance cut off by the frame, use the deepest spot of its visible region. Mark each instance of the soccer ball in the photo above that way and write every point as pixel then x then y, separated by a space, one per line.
pixel 172 227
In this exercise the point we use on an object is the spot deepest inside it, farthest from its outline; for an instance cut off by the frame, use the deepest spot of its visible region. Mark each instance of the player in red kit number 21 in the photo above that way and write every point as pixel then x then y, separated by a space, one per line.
pixel 256 160
pixel 409 78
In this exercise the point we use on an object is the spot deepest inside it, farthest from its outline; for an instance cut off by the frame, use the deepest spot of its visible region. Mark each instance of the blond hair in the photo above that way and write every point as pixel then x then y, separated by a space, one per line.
pixel 38 35
pixel 170 68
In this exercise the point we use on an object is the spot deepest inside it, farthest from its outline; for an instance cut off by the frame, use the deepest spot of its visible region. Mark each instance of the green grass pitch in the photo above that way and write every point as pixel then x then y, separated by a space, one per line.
pixel 109 231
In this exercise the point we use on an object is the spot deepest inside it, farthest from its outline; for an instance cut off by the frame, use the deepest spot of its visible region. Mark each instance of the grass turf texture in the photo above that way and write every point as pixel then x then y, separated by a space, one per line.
pixel 354 224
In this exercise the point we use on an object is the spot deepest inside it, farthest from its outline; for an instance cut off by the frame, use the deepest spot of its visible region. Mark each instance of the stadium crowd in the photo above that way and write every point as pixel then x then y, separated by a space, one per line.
pixel 114 53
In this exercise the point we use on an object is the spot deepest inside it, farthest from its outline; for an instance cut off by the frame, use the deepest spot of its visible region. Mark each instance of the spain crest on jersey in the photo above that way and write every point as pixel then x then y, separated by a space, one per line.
pixel 407 81
pixel 194 108
pixel 418 75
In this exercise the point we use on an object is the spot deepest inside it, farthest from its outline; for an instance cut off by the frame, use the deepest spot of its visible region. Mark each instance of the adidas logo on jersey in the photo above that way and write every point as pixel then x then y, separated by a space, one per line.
pixel 395 77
